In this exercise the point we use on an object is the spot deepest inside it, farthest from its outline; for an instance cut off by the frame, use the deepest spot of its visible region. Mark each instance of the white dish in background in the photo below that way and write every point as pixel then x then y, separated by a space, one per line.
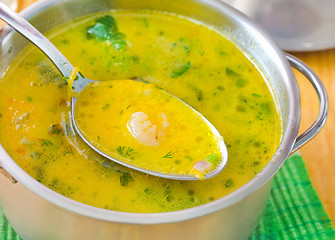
pixel 296 25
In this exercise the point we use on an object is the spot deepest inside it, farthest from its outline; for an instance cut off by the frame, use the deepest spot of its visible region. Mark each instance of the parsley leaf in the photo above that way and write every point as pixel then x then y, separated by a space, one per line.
pixel 180 70
pixel 105 29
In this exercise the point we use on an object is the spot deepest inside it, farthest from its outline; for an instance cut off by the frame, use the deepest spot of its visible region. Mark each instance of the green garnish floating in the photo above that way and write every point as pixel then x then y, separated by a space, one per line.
pixel 198 91
pixel 229 183
pixel 180 70
pixel 231 73
pixel 125 177
pixel 68 150
pixel 239 81
pixel 124 151
pixel 256 95
pixel 80 75
pixel 168 155
pixel 202 53
pixel 45 142
pixel 65 79
pixel 213 158
pixel 55 129
pixel 147 191
pixel 105 29
pixel 105 107
pixel 267 108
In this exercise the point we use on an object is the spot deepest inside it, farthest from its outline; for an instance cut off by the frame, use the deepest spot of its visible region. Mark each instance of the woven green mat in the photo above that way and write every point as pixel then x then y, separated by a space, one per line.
pixel 294 210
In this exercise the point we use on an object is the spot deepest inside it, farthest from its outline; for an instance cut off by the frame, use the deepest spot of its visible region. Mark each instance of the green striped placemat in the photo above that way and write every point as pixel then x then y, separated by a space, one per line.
pixel 294 210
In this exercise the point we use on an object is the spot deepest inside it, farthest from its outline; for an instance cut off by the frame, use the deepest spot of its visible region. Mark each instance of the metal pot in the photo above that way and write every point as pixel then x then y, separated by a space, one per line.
pixel 37 212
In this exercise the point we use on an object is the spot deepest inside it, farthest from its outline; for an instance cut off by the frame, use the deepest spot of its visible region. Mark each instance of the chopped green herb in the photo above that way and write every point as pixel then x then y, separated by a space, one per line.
pixel 65 79
pixel 200 96
pixel 105 29
pixel 199 93
pixel 45 142
pixel 147 190
pixel 202 53
pixel 231 73
pixel 99 31
pixel 68 150
pixel 167 190
pixel 213 158
pixel 109 22
pixel 186 49
pixel 27 115
pixel 29 99
pixel 221 88
pixel 81 74
pixel 99 138
pixel 124 151
pixel 241 82
pixel 168 155
pixel 105 107
pixel 229 183
pixel 125 177
pixel 267 108
pixel 180 70
pixel 256 95
pixel 118 41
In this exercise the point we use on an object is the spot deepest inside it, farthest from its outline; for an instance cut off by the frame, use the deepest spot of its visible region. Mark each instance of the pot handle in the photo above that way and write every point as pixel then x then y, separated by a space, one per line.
pixel 323 101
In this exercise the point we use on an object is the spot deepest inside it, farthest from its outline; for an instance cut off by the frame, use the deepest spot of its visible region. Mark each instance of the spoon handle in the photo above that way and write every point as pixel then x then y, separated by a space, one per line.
pixel 32 34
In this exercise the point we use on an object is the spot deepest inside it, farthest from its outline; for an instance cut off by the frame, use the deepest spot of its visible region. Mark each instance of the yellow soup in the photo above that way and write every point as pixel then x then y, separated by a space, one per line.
pixel 192 61
pixel 144 126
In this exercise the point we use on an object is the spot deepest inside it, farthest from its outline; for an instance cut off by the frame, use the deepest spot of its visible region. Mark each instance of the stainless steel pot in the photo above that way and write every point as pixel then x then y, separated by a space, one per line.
pixel 37 212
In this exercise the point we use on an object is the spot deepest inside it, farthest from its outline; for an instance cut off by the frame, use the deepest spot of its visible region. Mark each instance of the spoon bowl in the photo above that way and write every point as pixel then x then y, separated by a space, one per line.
pixel 66 69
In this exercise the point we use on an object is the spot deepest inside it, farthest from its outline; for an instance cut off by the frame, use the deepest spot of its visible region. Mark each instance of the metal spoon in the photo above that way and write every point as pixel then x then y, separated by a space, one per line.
pixel 65 67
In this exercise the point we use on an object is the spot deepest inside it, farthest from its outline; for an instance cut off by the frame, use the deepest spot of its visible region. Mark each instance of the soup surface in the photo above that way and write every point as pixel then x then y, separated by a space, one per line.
pixel 145 126
pixel 186 58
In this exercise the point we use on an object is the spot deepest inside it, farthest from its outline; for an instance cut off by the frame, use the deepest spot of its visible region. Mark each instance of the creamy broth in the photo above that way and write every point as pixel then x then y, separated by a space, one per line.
pixel 188 59
pixel 144 126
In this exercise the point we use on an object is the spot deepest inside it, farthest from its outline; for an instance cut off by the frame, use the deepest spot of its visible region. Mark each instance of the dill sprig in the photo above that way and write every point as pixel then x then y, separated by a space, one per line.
pixel 68 150
pixel 124 151
pixel 45 142
pixel 168 155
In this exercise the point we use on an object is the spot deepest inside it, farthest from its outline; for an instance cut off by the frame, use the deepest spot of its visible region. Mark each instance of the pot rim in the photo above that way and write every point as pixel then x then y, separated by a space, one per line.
pixel 284 149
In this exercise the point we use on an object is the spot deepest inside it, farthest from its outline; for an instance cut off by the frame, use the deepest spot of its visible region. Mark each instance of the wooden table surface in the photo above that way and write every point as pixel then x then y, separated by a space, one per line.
pixel 318 153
